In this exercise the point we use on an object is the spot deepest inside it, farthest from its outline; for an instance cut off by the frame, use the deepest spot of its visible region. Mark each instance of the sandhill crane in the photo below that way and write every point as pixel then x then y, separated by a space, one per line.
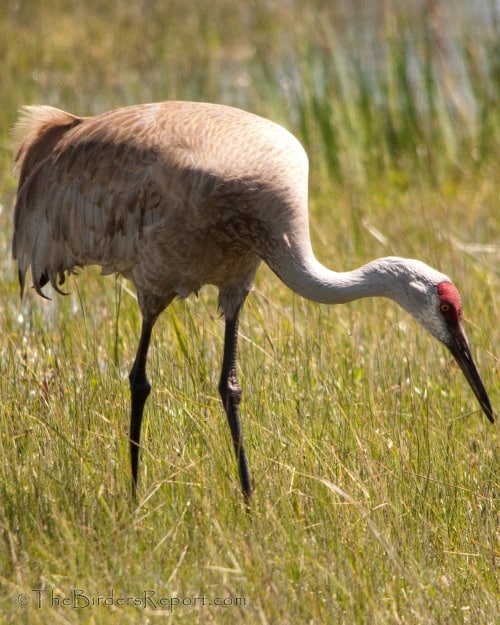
pixel 176 195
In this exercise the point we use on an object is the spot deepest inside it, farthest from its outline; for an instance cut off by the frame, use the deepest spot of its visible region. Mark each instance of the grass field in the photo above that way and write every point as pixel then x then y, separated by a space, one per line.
pixel 377 477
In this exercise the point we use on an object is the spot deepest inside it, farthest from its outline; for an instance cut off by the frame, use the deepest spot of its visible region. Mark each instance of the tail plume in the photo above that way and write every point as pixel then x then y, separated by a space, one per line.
pixel 35 135
pixel 36 132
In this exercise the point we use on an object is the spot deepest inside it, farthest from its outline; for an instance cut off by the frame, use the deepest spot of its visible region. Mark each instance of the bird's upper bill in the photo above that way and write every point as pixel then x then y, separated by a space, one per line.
pixel 451 309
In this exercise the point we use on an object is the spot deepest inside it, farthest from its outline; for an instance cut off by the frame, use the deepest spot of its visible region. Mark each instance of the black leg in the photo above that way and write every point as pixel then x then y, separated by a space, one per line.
pixel 139 390
pixel 230 393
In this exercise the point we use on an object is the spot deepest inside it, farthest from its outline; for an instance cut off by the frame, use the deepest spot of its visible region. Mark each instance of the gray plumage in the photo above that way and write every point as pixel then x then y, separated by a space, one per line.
pixel 176 195
pixel 172 195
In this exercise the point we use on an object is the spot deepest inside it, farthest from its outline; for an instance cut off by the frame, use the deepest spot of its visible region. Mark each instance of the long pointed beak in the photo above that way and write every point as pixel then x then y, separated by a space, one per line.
pixel 460 349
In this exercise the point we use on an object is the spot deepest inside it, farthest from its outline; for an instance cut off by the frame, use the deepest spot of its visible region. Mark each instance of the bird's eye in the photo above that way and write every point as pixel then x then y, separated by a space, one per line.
pixel 444 308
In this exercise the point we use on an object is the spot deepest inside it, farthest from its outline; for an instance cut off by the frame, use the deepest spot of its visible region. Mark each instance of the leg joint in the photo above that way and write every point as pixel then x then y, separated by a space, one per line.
pixel 230 392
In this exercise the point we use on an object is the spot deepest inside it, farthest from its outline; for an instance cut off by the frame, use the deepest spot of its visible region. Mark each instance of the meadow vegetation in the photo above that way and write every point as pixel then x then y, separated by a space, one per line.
pixel 377 477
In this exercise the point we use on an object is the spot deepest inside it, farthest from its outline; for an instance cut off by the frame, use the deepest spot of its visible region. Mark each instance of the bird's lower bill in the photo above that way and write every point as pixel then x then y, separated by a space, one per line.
pixel 460 349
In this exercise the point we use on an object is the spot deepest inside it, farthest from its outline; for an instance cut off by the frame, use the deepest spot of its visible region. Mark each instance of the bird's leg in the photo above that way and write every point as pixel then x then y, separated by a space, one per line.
pixel 230 393
pixel 139 390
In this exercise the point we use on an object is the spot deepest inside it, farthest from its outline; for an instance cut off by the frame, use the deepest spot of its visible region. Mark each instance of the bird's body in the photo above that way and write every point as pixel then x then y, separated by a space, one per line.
pixel 148 191
pixel 176 195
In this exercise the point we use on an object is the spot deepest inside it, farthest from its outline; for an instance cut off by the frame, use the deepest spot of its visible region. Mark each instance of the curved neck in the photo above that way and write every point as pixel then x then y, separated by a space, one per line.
pixel 383 277
pixel 319 284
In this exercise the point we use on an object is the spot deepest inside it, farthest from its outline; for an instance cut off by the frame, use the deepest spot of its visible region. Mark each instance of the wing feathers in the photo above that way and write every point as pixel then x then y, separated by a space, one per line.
pixel 36 132
pixel 79 202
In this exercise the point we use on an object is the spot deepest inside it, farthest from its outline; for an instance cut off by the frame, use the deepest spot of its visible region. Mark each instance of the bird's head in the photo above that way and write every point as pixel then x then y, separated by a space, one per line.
pixel 434 301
